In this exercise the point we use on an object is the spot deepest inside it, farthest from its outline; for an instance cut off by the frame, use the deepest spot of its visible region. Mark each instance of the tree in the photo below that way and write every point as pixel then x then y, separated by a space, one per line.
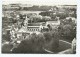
pixel 55 39
pixel 68 30
pixel 34 44
pixel 47 36
pixel 49 26
pixel 52 40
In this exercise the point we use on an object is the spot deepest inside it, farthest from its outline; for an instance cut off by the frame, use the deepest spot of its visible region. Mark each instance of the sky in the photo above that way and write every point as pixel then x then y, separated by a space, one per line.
pixel 42 2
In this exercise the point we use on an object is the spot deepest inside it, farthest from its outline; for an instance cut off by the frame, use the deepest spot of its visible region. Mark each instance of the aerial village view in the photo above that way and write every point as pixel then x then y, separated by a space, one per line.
pixel 36 29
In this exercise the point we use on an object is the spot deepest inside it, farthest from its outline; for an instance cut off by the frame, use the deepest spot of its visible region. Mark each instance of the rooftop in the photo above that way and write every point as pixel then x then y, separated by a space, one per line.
pixel 36 24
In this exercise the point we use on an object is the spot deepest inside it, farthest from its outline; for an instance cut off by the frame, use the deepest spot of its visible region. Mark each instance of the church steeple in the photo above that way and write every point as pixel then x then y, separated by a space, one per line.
pixel 26 22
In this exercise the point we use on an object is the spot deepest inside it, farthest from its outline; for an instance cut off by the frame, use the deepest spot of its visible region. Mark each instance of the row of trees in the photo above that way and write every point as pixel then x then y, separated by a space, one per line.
pixel 62 15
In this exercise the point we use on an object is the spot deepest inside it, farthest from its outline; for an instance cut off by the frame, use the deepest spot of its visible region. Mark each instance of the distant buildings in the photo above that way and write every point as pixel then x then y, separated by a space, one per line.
pixel 25 6
pixel 67 6
pixel 10 7
pixel 15 6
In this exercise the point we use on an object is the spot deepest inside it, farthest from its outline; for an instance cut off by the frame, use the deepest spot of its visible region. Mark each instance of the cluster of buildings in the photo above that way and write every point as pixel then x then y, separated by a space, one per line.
pixel 30 28
pixel 37 27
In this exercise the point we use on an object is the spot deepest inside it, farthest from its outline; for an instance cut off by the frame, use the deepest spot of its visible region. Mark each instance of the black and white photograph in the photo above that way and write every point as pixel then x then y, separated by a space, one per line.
pixel 39 27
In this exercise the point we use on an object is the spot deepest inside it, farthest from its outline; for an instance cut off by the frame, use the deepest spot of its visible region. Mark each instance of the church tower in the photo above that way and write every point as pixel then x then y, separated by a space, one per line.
pixel 26 23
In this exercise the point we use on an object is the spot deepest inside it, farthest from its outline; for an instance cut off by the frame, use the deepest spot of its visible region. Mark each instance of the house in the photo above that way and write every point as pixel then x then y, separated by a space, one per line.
pixel 53 24
pixel 35 27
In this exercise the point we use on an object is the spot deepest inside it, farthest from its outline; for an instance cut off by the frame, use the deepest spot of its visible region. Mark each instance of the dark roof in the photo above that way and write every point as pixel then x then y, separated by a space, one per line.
pixel 32 27
pixel 35 24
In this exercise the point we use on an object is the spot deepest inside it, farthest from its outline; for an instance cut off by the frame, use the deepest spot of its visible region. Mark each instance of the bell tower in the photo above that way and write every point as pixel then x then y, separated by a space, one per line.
pixel 26 23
